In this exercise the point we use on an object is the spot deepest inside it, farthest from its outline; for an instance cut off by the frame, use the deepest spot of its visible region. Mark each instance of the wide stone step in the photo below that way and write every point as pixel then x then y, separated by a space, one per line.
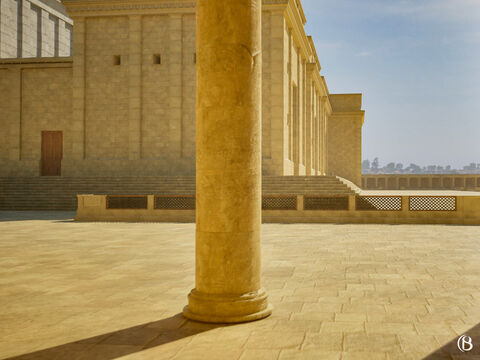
pixel 308 187
pixel 42 193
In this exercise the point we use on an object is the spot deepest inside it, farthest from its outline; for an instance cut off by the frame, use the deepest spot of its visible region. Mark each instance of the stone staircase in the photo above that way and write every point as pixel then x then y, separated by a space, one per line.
pixel 59 193
pixel 305 185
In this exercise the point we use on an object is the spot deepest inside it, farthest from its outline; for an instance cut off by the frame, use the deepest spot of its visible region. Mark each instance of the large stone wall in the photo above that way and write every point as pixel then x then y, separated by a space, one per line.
pixel 35 97
pixel 46 105
pixel 10 110
pixel 168 112
pixel 131 90
pixel 345 137
pixel 8 28
pixel 106 88
pixel 34 28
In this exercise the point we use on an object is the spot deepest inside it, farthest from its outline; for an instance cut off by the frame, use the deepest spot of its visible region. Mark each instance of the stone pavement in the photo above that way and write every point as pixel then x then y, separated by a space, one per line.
pixel 116 290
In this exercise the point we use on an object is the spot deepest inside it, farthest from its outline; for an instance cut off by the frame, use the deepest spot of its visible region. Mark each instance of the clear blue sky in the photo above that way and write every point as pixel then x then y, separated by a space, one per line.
pixel 417 63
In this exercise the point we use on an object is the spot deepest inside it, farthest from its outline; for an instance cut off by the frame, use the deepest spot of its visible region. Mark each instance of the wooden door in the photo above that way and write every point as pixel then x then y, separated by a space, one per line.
pixel 52 152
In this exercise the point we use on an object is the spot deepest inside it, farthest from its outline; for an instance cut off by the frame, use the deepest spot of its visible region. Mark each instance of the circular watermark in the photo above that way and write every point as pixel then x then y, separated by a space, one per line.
pixel 465 343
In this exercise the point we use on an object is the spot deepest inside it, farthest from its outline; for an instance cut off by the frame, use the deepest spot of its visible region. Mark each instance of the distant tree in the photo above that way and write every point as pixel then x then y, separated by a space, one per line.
pixel 472 166
pixel 389 168
pixel 366 165
pixel 414 169
pixel 375 165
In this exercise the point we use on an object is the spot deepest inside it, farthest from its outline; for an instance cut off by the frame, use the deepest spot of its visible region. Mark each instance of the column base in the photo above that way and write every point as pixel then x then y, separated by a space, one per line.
pixel 213 308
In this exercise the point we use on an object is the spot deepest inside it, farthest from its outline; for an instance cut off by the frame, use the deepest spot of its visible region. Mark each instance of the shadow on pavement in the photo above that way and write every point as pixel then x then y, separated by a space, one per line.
pixel 451 350
pixel 36 215
pixel 123 342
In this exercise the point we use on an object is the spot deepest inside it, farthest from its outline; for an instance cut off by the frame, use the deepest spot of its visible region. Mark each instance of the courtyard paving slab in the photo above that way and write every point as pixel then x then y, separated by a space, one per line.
pixel 116 290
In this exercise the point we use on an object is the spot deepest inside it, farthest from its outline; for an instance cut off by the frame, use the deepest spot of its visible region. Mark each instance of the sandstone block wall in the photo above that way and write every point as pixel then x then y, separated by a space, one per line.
pixel 106 88
pixel 8 28
pixel 46 105
pixel 10 113
pixel 34 28
pixel 35 97
pixel 345 137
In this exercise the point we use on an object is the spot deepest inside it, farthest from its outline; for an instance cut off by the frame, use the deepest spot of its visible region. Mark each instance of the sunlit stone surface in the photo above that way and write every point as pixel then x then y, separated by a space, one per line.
pixel 227 281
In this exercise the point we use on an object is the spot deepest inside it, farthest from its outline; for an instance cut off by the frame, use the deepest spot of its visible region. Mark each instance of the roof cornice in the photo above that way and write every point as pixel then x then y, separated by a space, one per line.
pixel 23 62
pixel 125 7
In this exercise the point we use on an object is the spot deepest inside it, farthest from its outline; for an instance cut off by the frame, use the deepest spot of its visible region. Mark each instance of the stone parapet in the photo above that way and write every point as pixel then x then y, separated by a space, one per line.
pixel 421 182
pixel 349 209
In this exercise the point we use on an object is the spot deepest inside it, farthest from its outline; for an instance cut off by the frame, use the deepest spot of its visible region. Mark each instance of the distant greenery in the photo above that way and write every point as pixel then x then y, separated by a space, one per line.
pixel 374 167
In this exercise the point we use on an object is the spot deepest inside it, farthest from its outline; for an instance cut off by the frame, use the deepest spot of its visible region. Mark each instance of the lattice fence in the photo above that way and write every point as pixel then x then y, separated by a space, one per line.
pixel 383 203
pixel 279 203
pixel 433 203
pixel 325 203
pixel 175 202
pixel 126 202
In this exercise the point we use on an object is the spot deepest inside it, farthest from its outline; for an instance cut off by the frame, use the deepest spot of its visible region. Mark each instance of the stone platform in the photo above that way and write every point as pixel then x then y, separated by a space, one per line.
pixel 72 290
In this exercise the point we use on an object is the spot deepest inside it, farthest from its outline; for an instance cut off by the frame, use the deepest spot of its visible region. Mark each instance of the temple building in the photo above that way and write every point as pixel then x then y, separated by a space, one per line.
pixel 123 104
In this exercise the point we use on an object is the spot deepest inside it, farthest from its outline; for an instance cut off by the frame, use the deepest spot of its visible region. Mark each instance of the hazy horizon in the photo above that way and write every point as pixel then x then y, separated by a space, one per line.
pixel 416 63
pixel 384 162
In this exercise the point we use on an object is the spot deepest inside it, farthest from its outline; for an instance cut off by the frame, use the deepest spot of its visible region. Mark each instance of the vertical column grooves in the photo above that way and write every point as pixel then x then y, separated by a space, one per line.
pixel 140 125
pixel 56 40
pixel 181 89
pixel 19 28
pixel 20 77
pixel 39 30
pixel 84 91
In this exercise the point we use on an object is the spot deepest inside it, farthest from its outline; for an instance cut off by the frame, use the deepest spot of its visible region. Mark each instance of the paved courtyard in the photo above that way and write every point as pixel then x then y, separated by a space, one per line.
pixel 116 290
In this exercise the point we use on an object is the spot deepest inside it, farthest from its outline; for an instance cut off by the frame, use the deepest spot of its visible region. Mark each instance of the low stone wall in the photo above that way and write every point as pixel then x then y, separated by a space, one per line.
pixel 421 182
pixel 391 209
pixel 95 208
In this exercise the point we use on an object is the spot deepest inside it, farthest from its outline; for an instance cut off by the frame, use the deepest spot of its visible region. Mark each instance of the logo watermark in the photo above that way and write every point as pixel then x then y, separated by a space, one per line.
pixel 465 343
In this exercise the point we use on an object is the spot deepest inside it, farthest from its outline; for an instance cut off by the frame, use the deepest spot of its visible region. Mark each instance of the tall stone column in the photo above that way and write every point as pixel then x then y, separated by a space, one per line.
pixel 228 156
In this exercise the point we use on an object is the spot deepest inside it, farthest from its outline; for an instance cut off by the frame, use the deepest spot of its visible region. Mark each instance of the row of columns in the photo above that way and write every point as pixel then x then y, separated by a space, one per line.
pixel 306 145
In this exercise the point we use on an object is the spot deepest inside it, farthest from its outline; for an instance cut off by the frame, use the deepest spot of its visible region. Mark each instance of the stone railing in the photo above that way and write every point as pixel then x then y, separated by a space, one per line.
pixel 391 209
pixel 421 182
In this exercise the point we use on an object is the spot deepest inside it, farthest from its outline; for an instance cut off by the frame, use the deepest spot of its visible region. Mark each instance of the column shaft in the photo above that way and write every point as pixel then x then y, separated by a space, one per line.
pixel 228 159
